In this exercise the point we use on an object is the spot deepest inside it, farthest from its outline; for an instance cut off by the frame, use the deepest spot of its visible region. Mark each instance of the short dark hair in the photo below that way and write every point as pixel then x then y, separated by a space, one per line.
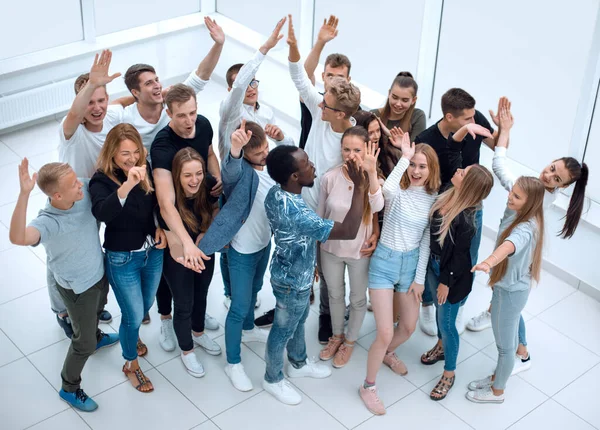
pixel 281 163
pixel 258 137
pixel 132 75
pixel 338 60
pixel 233 70
pixel 179 93
pixel 455 100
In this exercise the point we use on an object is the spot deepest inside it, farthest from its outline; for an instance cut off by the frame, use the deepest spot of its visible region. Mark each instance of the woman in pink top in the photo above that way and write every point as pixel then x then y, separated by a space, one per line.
pixel 334 202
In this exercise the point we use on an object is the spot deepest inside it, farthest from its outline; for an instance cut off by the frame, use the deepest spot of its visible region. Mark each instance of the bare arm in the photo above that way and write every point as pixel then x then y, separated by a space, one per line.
pixel 208 64
pixel 123 101
pixel 19 233
pixel 327 33
pixel 348 228
pixel 503 251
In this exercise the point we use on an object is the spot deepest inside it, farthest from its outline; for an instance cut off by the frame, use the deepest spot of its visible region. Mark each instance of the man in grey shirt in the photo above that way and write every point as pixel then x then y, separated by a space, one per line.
pixel 69 233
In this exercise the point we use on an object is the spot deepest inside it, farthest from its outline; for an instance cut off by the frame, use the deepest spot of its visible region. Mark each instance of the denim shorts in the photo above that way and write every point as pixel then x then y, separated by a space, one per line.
pixel 391 269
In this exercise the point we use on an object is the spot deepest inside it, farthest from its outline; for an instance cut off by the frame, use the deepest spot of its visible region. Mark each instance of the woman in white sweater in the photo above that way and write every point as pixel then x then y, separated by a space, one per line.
pixel 398 266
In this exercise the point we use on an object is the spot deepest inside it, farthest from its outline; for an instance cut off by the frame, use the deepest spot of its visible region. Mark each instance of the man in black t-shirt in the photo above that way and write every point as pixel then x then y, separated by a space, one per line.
pixel 458 108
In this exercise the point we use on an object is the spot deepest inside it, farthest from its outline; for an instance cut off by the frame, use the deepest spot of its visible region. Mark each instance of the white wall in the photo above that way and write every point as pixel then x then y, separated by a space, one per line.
pixel 260 15
pixel 592 154
pixel 29 26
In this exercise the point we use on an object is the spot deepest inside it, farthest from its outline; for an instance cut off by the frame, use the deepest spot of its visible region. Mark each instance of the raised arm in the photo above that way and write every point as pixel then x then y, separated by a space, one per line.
pixel 499 164
pixel 455 144
pixel 232 165
pixel 326 34
pixel 98 77
pixel 208 64
pixel 19 233
pixel 348 228
pixel 399 140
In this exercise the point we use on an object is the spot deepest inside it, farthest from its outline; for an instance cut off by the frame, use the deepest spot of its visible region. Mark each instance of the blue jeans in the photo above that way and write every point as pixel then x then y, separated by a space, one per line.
pixel 223 262
pixel 246 272
pixel 522 332
pixel 291 312
pixel 506 311
pixel 446 316
pixel 428 299
pixel 134 277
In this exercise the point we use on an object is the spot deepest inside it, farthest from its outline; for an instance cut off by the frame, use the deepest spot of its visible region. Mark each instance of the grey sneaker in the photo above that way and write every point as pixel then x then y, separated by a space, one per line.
pixel 206 343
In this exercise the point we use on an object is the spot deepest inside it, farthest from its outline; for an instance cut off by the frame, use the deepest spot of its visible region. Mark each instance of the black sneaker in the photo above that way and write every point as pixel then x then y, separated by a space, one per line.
pixel 105 317
pixel 266 320
pixel 325 330
pixel 65 324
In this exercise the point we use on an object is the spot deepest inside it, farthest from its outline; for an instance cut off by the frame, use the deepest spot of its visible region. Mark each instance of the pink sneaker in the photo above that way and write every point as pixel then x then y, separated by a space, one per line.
pixel 394 363
pixel 371 400
pixel 342 356
pixel 329 350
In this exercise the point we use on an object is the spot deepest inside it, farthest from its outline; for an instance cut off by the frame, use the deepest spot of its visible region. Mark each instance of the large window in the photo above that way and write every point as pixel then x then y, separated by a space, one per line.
pixel 260 15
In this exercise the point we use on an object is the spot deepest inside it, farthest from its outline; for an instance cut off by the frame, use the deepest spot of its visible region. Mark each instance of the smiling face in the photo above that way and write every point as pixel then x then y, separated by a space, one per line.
pixel 150 92
pixel 328 108
pixel 183 118
pixel 517 198
pixel 555 175
pixel 127 155
pixel 251 96
pixel 418 170
pixel 69 189
pixel 353 145
pixel 96 109
pixel 458 177
pixel 400 100
pixel 191 177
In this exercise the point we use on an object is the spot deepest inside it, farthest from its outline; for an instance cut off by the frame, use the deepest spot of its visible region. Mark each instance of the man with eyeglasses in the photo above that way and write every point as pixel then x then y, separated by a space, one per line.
pixel 242 100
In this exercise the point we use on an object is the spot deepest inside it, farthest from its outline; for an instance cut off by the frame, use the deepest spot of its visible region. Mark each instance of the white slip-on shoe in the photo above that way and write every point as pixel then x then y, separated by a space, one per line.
pixel 192 365
pixel 427 320
pixel 237 376
pixel 312 369
pixel 480 322
pixel 205 342
pixel 167 339
pixel 283 391
pixel 255 335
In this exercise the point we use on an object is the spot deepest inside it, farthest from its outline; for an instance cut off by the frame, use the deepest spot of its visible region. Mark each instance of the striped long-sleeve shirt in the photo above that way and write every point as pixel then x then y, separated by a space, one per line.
pixel 406 219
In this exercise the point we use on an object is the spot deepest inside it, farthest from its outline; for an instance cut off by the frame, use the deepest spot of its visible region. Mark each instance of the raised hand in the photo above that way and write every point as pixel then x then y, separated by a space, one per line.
pixel 503 101
pixel 216 32
pixel 395 134
pixel 354 171
pixel 99 72
pixel 328 30
pixel 240 138
pixel 274 132
pixel 369 163
pixel 505 118
pixel 275 37
pixel 403 143
pixel 291 39
pixel 26 182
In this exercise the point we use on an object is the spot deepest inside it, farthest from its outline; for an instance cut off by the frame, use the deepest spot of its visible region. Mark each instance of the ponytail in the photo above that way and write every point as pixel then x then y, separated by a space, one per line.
pixel 579 174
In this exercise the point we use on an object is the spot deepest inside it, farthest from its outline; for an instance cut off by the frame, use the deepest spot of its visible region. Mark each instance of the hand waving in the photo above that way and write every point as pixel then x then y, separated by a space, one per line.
pixel 402 141
pixel 240 137
pixel 503 101
pixel 26 182
pixel 291 39
pixel 99 72
pixel 216 32
pixel 328 30
pixel 275 36
pixel 369 163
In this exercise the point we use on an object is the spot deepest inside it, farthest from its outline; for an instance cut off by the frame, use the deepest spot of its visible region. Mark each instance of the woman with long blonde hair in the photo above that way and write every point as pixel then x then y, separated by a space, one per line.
pixel 123 198
pixel 449 274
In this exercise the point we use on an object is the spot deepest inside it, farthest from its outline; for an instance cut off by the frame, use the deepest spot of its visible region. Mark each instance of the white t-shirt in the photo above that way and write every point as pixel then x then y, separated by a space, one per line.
pixel 255 234
pixel 81 151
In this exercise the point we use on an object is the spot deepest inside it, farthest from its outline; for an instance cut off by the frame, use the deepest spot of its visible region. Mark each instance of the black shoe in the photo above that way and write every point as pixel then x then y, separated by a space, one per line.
pixel 266 320
pixel 105 317
pixel 65 324
pixel 325 330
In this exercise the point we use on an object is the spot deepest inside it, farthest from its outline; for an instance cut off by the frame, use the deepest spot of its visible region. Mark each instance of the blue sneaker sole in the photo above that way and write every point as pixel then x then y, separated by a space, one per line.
pixel 79 409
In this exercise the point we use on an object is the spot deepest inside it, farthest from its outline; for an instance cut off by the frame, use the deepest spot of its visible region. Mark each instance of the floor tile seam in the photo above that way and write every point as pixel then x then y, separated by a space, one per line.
pixel 52 416
pixel 568 337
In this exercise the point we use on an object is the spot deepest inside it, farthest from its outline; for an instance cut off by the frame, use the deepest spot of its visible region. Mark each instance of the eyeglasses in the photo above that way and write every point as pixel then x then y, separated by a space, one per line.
pixel 329 107
pixel 254 84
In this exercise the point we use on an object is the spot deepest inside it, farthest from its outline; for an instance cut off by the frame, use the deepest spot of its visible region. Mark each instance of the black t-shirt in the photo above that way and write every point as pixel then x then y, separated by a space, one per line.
pixel 470 147
pixel 167 143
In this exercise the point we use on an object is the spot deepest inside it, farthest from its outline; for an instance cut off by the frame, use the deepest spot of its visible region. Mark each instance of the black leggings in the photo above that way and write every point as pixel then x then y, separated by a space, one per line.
pixel 164 298
pixel 189 291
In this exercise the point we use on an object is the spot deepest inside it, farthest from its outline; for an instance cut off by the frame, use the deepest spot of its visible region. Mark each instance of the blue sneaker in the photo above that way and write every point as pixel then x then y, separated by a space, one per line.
pixel 107 340
pixel 79 400
pixel 105 317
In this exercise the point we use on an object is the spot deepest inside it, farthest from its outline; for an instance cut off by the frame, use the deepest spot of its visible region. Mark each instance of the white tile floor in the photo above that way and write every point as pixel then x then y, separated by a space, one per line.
pixel 559 392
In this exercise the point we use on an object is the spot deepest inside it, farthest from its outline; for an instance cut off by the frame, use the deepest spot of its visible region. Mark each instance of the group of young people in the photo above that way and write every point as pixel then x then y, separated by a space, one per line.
pixel 377 195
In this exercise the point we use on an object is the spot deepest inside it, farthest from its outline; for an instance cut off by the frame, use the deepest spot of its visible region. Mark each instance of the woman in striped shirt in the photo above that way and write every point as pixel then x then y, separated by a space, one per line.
pixel 398 266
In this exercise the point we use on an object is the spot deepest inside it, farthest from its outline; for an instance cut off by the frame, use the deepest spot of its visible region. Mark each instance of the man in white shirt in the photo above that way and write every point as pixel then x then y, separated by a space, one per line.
pixel 242 100
pixel 148 115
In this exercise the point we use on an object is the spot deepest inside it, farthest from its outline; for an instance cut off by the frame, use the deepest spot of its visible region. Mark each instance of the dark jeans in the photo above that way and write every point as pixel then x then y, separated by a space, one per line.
pixel 164 298
pixel 83 310
pixel 189 291
pixel 323 291
pixel 224 262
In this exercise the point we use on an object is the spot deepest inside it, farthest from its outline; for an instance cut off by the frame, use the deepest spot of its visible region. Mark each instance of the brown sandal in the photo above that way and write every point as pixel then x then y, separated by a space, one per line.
pixel 142 349
pixel 440 391
pixel 434 355
pixel 141 378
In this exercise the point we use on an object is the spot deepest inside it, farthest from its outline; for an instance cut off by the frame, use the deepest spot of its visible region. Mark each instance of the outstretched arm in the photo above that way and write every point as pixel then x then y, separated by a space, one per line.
pixel 208 64
pixel 19 233
pixel 326 34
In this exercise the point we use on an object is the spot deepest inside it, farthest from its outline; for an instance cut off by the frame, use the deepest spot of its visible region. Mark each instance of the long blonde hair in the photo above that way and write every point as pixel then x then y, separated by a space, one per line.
pixel 533 209
pixel 433 181
pixel 106 163
pixel 475 187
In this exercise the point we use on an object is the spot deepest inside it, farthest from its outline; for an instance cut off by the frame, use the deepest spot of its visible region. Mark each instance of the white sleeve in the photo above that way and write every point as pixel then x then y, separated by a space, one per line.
pixel 309 94
pixel 391 185
pixel 424 251
pixel 194 81
pixel 506 177
pixel 287 139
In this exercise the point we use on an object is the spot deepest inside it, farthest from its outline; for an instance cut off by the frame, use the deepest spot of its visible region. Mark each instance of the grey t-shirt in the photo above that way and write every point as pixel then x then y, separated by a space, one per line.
pixel 72 243
pixel 524 238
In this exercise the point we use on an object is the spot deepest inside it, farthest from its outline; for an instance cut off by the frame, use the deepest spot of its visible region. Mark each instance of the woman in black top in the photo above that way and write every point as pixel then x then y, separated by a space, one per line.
pixel 123 198
pixel 189 288
pixel 449 276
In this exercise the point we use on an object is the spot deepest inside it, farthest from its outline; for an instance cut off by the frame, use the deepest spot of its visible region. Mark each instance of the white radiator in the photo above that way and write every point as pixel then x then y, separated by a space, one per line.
pixel 37 103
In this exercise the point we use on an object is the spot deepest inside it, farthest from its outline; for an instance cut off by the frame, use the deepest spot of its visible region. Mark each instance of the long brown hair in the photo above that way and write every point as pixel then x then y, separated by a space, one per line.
pixel 475 187
pixel 388 155
pixel 201 206
pixel 579 174
pixel 362 134
pixel 106 163
pixel 403 80
pixel 433 181
pixel 533 209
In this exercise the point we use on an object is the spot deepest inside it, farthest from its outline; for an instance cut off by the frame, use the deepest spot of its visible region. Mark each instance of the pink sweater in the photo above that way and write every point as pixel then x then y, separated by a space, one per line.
pixel 335 198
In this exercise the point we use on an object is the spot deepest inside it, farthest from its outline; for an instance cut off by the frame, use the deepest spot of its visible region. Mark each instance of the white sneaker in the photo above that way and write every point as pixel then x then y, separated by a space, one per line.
pixel 480 384
pixel 238 377
pixel 227 302
pixel 167 335
pixel 521 364
pixel 312 369
pixel 210 323
pixel 480 322
pixel 258 302
pixel 205 342
pixel 192 365
pixel 427 320
pixel 283 391
pixel 255 335
pixel 460 324
pixel 485 395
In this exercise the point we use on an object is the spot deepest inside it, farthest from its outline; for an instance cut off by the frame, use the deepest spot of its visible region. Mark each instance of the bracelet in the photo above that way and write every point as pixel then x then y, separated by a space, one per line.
pixel 494 255
pixel 487 264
